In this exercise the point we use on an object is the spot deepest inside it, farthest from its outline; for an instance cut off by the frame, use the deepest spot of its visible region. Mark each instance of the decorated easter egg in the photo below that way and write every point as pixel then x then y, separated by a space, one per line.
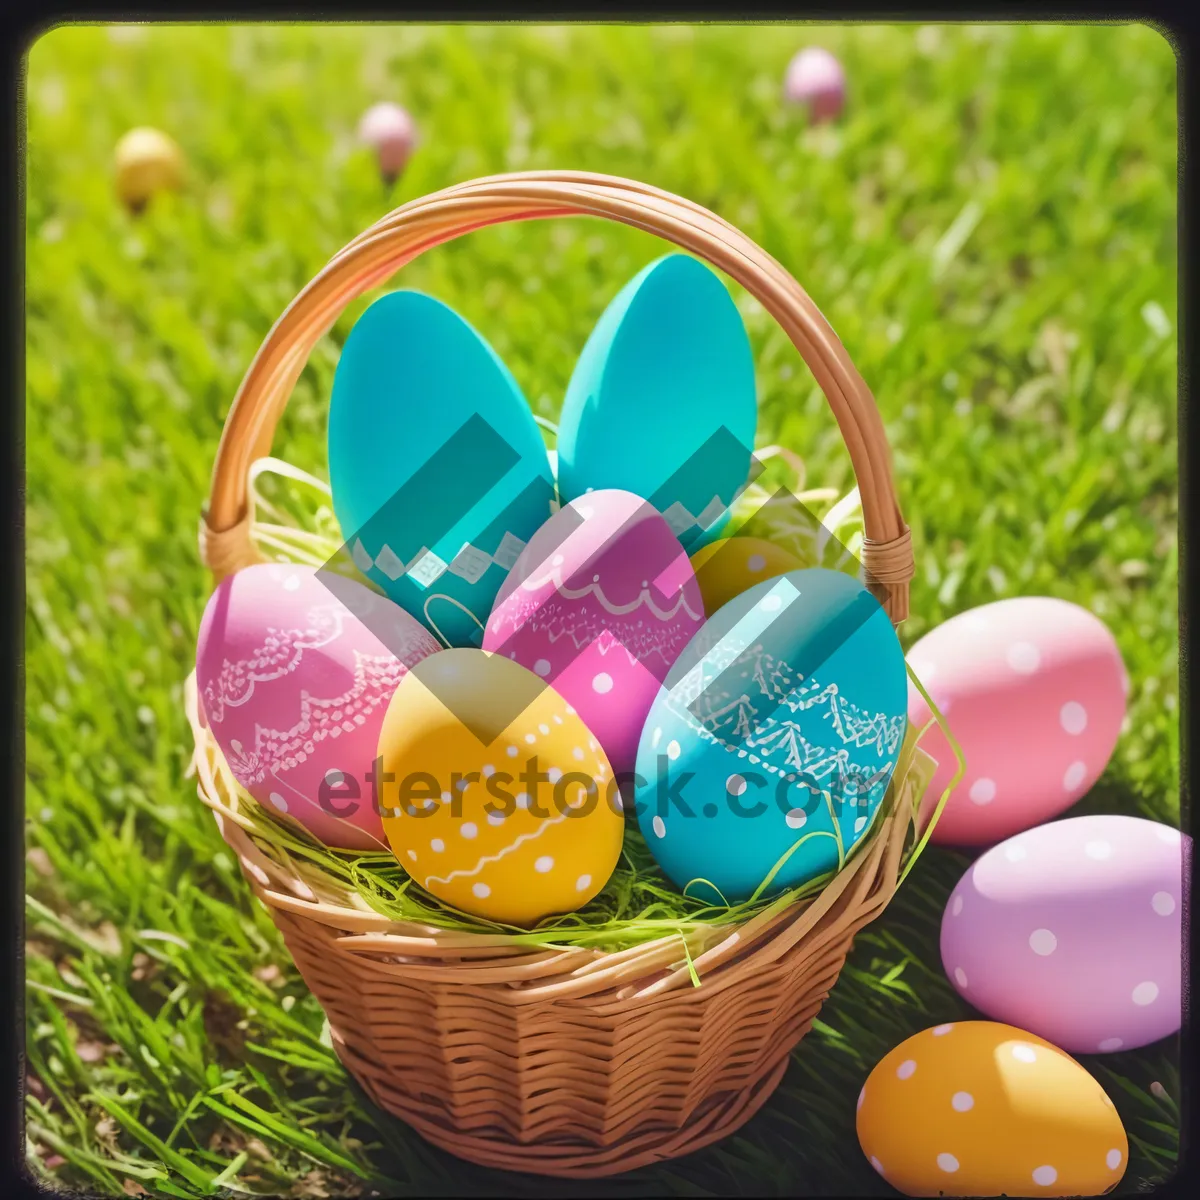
pixel 662 402
pixel 147 161
pixel 776 733
pixel 1034 691
pixel 497 798
pixel 438 470
pixel 728 566
pixel 1072 930
pixel 976 1108
pixel 600 604
pixel 294 671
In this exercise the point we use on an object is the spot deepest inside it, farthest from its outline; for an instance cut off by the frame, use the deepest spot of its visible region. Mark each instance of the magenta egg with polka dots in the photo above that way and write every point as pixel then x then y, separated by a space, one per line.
pixel 294 671
pixel 1073 931
pixel 599 605
pixel 1033 689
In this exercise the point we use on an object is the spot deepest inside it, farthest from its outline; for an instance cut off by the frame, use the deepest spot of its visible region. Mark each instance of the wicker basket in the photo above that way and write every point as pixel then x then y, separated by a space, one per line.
pixel 568 1062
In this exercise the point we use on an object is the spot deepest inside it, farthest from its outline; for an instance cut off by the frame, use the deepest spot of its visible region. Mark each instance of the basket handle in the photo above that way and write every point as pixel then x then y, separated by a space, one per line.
pixel 380 251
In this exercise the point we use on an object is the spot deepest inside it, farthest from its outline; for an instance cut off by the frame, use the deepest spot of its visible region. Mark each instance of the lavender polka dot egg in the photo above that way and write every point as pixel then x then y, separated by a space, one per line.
pixel 294 671
pixel 600 604
pixel 1033 689
pixel 1072 931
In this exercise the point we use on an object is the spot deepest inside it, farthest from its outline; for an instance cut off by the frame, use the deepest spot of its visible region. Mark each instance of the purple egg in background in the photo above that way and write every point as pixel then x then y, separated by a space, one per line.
pixel 1072 930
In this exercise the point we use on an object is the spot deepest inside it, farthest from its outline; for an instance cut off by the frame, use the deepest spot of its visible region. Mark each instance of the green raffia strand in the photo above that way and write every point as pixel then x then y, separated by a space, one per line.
pixel 942 723
pixel 637 904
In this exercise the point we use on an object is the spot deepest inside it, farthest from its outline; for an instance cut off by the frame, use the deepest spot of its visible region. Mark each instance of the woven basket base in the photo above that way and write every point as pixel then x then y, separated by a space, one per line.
pixel 721 1116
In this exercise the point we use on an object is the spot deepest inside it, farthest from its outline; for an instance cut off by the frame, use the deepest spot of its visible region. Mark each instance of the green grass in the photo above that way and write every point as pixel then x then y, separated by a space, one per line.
pixel 991 230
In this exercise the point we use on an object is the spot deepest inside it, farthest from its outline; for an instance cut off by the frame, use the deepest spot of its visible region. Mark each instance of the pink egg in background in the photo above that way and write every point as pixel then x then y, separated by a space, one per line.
pixel 1034 691
pixel 1073 931
pixel 294 681
pixel 599 605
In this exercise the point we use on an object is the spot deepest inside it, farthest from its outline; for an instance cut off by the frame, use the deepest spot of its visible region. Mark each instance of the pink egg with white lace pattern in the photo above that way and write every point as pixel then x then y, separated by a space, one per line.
pixel 599 605
pixel 294 671
pixel 1033 689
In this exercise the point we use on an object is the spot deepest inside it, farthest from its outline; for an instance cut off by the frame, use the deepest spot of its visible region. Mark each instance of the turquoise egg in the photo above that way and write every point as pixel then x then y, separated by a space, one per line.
pixel 438 470
pixel 662 402
pixel 778 726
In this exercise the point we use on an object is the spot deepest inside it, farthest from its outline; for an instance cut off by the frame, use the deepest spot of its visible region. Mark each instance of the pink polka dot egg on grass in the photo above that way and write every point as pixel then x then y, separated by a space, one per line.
pixel 1033 689
pixel 1072 930
pixel 294 671
pixel 979 1108
pixel 600 604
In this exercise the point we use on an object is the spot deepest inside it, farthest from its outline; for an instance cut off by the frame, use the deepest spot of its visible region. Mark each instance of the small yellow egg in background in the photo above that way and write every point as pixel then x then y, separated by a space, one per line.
pixel 976 1108
pixel 147 161
pixel 730 566
pixel 473 832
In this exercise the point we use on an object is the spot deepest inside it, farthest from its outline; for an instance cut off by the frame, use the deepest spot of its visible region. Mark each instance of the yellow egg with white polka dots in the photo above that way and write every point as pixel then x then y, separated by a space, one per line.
pixel 495 796
pixel 730 566
pixel 976 1108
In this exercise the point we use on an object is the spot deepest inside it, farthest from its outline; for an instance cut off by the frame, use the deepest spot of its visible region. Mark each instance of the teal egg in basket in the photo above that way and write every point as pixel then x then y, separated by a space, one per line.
pixel 438 470
pixel 662 401
pixel 779 726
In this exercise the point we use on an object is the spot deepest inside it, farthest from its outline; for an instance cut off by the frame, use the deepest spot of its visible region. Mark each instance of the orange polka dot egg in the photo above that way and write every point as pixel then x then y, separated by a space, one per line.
pixel 496 798
pixel 976 1108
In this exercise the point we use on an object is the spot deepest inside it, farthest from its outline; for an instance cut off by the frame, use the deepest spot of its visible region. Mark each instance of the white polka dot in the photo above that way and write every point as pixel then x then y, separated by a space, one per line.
pixel 1073 717
pixel 438 845
pixel 673 751
pixel 279 802
pixel 334 778
pixel 656 738
pixel 956 906
pixel 541 667
pixel 544 864
pixel 495 819
pixel 557 719
pixel 1043 942
pixel 396 812
pixel 861 1097
pixel 947 1162
pixel 735 785
pixel 570 711
pixel 1014 853
pixel 1145 993
pixel 1098 850
pixel 1109 1045
pixel 522 800
pixel 962 1102
pixel 942 1030
pixel 860 823
pixel 592 743
pixel 554 774
pixel 583 883
pixel 660 829
pixel 577 754
pixel 877 1164
pixel 755 562
pixel 960 977
pixel 905 1069
pixel 1023 1052
pixel 512 752
pixel 602 683
pixel 1074 775
pixel 412 854
pixel 796 818
pixel 1023 657
pixel 530 738
pixel 291 583
pixel 923 669
pixel 488 771
pixel 482 890
pixel 1163 903
pixel 469 830
pixel 1044 1176
pixel 543 730
pixel 1166 834
pixel 770 603
pixel 462 785
pixel 1112 1159
pixel 983 791
pixel 445 798
pixel 557 561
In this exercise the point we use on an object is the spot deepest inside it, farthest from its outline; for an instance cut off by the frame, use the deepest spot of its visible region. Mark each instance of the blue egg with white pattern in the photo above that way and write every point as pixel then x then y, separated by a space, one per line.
pixel 662 402
pixel 774 738
pixel 438 470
